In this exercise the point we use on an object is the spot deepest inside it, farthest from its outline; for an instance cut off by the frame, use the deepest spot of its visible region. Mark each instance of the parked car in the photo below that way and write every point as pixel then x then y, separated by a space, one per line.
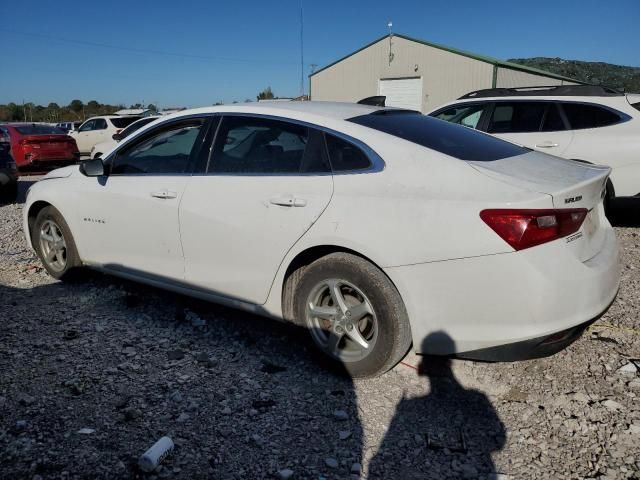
pixel 372 227
pixel 37 147
pixel 68 126
pixel 8 170
pixel 99 129
pixel 588 123
pixel 107 145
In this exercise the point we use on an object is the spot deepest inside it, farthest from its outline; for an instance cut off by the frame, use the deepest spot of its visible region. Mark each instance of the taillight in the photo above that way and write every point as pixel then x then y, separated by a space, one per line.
pixel 527 228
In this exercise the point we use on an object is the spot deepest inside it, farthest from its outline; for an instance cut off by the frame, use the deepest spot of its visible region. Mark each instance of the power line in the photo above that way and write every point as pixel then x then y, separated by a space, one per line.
pixel 147 51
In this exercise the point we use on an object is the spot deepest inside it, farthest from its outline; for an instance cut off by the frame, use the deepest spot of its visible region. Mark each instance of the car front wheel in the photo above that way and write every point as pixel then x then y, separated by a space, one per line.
pixel 354 313
pixel 54 244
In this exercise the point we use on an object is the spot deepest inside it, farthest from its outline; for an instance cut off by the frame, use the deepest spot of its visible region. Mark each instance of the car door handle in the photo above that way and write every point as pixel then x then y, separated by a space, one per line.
pixel 289 201
pixel 164 194
pixel 547 144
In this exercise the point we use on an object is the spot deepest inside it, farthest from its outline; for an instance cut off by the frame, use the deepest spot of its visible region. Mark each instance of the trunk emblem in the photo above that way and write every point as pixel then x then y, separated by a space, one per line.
pixel 573 199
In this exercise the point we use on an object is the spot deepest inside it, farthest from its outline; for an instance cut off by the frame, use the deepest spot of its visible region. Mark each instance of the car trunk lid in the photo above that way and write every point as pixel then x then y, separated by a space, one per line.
pixel 569 183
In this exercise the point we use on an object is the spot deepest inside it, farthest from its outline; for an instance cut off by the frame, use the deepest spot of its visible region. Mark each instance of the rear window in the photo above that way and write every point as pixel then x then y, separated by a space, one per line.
pixel 123 122
pixel 589 116
pixel 441 136
pixel 39 130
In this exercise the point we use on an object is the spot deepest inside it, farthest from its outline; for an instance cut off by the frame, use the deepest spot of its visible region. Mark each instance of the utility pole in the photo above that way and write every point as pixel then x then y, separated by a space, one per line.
pixel 301 51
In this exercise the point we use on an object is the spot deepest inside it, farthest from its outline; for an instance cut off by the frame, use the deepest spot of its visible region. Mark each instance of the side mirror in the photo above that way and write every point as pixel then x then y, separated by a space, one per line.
pixel 92 168
pixel 117 137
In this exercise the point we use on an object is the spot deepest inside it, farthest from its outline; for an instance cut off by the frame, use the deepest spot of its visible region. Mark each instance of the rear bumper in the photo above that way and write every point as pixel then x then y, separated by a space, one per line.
pixel 514 301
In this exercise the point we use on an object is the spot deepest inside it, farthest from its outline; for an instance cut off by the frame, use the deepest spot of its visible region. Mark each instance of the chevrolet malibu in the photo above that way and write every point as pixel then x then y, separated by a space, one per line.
pixel 371 227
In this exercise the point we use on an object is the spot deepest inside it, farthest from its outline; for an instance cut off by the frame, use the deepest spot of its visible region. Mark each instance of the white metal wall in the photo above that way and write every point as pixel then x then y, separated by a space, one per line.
pixel 514 78
pixel 445 75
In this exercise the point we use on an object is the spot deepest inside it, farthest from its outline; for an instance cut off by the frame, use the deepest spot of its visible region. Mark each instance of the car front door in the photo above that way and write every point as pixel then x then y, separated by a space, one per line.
pixel 83 136
pixel 266 184
pixel 130 217
pixel 537 125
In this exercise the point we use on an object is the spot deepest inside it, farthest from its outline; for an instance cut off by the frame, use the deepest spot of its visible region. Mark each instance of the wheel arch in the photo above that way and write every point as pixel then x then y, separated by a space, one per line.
pixel 295 267
pixel 34 210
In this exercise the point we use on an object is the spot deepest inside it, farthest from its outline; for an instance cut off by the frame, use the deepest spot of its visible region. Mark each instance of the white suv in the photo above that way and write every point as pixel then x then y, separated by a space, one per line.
pixel 589 123
pixel 99 129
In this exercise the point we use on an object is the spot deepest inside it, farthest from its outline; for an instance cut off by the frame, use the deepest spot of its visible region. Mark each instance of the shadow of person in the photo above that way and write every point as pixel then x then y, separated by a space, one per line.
pixel 449 433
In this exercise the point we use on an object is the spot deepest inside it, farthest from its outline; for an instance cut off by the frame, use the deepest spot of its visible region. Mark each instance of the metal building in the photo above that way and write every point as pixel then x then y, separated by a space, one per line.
pixel 419 75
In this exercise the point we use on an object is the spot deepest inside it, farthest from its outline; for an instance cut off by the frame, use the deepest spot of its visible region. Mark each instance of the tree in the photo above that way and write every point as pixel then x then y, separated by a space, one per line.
pixel 152 107
pixel 76 106
pixel 53 106
pixel 266 94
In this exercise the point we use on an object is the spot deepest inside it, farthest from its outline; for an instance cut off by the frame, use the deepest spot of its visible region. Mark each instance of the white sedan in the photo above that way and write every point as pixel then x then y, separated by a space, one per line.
pixel 372 227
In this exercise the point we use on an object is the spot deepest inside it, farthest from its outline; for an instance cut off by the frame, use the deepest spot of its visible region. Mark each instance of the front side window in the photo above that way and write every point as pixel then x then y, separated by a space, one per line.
pixel 516 117
pixel 467 115
pixel 136 126
pixel 87 126
pixel 252 145
pixel 165 152
pixel 589 116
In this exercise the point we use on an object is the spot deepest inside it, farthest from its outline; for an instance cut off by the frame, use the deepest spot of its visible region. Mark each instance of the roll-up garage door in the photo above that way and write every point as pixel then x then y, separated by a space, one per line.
pixel 402 92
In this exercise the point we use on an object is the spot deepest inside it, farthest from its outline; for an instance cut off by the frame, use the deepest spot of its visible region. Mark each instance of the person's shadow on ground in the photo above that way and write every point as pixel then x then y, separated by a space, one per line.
pixel 449 433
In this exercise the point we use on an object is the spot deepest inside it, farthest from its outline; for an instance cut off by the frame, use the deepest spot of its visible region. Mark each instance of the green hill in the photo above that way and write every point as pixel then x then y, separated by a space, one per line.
pixel 617 76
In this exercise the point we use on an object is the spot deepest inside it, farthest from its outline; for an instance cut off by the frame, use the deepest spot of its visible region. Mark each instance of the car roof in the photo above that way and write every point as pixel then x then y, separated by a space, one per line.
pixel 328 110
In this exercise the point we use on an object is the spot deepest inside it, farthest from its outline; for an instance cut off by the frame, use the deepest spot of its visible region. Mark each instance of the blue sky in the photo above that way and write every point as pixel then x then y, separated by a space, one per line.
pixel 195 53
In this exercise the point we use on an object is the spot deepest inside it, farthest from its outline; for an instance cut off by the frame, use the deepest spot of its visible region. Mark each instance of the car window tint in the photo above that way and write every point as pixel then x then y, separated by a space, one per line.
pixel 443 137
pixel 166 152
pixel 516 117
pixel 250 145
pixel 467 115
pixel 87 126
pixel 552 121
pixel 345 156
pixel 123 121
pixel 636 105
pixel 136 126
pixel 100 124
pixel 40 130
pixel 588 116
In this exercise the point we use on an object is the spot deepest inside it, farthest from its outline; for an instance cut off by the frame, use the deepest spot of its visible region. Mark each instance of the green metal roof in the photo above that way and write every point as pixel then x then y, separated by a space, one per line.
pixel 482 58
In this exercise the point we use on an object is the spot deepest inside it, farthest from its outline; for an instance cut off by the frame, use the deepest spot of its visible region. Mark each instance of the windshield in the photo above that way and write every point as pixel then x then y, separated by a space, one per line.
pixel 123 122
pixel 136 126
pixel 453 140
pixel 40 130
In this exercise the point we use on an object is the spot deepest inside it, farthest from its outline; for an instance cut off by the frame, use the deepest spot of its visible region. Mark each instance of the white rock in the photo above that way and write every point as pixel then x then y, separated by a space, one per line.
pixel 86 431
pixel 285 474
pixel 612 405
pixel 628 369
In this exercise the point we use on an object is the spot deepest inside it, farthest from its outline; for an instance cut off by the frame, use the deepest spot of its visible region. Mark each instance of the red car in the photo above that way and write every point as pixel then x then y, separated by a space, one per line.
pixel 40 147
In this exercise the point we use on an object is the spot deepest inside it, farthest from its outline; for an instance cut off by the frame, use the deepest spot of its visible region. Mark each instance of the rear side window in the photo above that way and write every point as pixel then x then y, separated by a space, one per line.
pixel 516 117
pixel 447 138
pixel 100 124
pixel 40 130
pixel 345 156
pixel 467 115
pixel 165 152
pixel 553 121
pixel 136 126
pixel 123 121
pixel 589 116
pixel 251 145
pixel 636 105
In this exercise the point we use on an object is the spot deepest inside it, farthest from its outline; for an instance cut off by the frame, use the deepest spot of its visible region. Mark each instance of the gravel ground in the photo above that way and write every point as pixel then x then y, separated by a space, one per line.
pixel 93 374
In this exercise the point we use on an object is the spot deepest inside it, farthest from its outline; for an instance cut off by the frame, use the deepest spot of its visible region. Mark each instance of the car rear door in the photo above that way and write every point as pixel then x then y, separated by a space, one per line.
pixel 534 124
pixel 129 218
pixel 266 184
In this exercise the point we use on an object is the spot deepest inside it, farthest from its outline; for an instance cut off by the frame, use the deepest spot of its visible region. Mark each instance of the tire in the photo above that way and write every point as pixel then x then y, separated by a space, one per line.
pixel 366 331
pixel 52 240
pixel 609 196
pixel 9 193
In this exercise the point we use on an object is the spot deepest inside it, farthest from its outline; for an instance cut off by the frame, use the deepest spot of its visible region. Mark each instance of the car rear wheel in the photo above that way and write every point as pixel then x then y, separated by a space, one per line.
pixel 354 314
pixel 54 244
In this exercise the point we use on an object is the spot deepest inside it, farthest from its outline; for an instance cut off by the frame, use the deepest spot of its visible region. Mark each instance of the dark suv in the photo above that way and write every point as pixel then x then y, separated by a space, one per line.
pixel 8 170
